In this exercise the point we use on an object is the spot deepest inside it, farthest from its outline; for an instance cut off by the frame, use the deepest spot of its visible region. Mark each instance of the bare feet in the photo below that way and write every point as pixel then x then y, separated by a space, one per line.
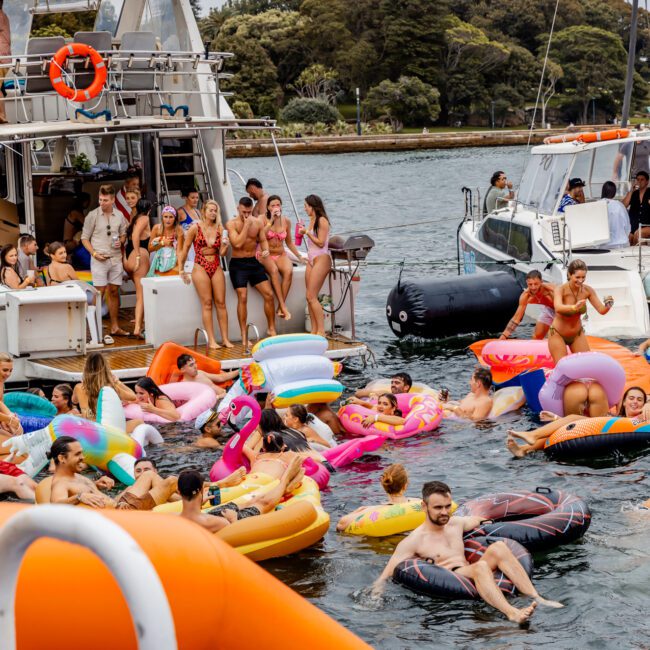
pixel 295 481
pixel 522 615
pixel 514 448
pixel 227 344
pixel 283 312
pixel 526 436
pixel 235 478
pixel 213 346
pixel 548 603
pixel 271 332
pixel 547 416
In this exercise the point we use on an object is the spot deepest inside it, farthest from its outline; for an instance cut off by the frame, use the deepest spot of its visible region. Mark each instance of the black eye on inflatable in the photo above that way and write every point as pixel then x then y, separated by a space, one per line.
pixel 403 316
pixel 570 427
pixel 389 310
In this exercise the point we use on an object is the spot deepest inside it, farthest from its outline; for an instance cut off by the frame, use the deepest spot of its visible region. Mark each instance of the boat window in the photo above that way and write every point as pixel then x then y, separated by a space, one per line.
pixel 641 158
pixel 20 22
pixel 544 181
pixel 610 162
pixel 162 17
pixel 494 232
pixel 108 16
pixel 519 244
pixel 582 168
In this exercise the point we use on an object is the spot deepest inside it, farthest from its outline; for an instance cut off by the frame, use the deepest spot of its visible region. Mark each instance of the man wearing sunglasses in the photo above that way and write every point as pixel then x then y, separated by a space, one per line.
pixel 103 234
pixel 500 191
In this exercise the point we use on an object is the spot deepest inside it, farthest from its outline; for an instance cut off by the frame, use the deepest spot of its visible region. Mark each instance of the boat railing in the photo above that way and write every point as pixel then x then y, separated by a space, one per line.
pixel 473 209
pixel 130 73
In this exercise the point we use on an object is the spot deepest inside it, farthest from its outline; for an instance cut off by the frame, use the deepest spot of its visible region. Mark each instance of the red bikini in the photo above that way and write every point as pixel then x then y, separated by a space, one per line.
pixel 199 244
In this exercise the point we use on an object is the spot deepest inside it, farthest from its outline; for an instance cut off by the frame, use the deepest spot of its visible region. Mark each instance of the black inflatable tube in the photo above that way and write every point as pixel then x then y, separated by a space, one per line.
pixel 539 520
pixel 602 444
pixel 426 578
pixel 438 307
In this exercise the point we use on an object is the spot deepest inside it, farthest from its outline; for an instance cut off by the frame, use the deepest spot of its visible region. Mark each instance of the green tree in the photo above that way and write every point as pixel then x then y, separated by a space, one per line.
pixel 317 82
pixel 49 30
pixel 309 111
pixel 405 101
pixel 576 50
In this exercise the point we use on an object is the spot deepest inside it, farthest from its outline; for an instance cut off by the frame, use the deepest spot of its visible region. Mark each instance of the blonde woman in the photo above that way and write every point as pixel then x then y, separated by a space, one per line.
pixel 207 274
pixel 96 375
pixel 132 196
pixel 165 244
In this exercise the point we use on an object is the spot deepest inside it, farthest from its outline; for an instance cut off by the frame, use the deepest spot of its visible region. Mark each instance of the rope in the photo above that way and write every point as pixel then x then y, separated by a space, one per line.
pixel 70 80
pixel 541 80
pixel 401 225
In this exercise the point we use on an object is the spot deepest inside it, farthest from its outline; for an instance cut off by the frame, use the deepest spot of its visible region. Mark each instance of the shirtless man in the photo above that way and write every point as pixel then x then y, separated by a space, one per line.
pixel 440 539
pixel 191 489
pixel 255 190
pixel 537 293
pixel 149 490
pixel 186 365
pixel 68 485
pixel 245 233
pixel 400 382
pixel 477 404
pixel 209 424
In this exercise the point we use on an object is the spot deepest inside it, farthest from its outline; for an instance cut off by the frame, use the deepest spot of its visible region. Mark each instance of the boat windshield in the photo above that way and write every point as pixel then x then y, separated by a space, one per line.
pixel 162 17
pixel 20 22
pixel 108 16
pixel 544 180
pixel 605 163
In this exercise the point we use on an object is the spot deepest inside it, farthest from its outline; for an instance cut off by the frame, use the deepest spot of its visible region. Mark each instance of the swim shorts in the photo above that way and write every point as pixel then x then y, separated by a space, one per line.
pixel 128 501
pixel 9 469
pixel 546 315
pixel 242 513
pixel 244 271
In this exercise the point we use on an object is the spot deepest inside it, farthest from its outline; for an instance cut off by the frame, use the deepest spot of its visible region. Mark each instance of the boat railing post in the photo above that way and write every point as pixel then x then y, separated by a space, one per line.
pixel 143 591
pixel 284 175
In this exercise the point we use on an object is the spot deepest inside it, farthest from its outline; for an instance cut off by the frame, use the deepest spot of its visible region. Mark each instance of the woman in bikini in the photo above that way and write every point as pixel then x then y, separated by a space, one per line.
pixel 136 257
pixel 395 481
pixel 297 417
pixel 570 305
pixel 319 261
pixel 387 411
pixel 207 274
pixel 62 400
pixel 189 212
pixel 277 230
pixel 152 400
pixel 165 244
pixel 632 406
pixel 58 270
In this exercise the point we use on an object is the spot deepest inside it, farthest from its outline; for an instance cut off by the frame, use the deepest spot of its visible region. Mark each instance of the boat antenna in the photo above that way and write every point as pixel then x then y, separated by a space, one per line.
pixel 631 55
pixel 541 79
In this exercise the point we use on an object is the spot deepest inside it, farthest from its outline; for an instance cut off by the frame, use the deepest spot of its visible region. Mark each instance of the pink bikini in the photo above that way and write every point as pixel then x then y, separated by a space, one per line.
pixel 271 234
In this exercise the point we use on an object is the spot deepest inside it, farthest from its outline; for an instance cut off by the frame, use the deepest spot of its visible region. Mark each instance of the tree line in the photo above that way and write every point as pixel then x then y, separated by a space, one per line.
pixel 421 62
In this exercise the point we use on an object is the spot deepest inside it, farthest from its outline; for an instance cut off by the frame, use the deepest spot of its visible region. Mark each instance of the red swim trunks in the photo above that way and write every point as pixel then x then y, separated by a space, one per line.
pixel 9 469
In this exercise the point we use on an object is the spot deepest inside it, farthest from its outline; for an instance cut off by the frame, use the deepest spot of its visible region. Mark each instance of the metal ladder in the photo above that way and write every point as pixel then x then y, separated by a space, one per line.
pixel 199 168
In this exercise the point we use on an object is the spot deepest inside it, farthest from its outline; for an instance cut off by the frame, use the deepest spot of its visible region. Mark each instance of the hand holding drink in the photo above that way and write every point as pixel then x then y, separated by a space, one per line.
pixel 299 232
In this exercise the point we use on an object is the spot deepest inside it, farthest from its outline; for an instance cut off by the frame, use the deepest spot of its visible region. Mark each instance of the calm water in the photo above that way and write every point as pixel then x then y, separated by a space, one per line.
pixel 603 579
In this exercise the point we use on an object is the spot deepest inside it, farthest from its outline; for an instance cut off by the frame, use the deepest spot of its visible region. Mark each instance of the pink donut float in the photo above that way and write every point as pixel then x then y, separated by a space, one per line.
pixel 421 412
pixel 597 366
pixel 196 398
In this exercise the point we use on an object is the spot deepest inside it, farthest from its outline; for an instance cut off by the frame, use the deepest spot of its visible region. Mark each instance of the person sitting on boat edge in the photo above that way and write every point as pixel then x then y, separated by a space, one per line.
pixel 477 404
pixel 574 194
pixel 633 405
pixel 186 365
pixel 537 292
pixel 10 273
pixel 256 191
pixel 191 489
pixel 440 540
pixel 209 425
pixel 400 382
pixel 395 481
pixel 499 192
pixel 27 249
pixel 617 218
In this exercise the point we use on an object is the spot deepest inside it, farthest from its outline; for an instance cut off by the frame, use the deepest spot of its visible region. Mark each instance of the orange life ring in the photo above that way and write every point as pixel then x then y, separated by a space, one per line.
pixel 591 136
pixel 58 61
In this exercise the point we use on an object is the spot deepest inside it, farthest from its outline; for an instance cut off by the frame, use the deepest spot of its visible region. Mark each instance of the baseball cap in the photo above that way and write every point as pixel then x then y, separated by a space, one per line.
pixel 204 418
pixel 576 182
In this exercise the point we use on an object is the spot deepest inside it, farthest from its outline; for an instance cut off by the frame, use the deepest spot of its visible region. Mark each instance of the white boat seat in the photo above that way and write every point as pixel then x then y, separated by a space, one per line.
pixel 138 43
pixel 38 76
pixel 100 41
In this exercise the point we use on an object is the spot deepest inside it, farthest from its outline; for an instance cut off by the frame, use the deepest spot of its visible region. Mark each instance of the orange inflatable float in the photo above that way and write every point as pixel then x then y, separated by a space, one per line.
pixel 163 368
pixel 218 598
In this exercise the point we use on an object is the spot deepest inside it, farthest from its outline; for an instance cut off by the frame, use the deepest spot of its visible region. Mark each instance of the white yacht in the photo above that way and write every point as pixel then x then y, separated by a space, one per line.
pixel 166 114
pixel 529 232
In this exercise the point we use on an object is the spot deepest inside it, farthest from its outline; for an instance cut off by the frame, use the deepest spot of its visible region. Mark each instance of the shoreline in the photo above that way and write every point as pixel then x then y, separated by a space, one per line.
pixel 329 144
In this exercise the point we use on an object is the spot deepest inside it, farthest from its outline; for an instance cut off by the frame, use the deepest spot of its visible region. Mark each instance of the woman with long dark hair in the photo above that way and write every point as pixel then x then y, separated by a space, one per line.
pixel 10 274
pixel 136 257
pixel 319 261
pixel 151 399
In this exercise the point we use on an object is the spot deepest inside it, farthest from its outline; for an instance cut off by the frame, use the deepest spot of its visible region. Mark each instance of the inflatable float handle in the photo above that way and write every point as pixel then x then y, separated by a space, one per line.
pixel 543 490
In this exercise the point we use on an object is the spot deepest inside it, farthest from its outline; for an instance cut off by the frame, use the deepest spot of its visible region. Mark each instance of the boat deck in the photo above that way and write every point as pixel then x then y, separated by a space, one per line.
pixel 130 361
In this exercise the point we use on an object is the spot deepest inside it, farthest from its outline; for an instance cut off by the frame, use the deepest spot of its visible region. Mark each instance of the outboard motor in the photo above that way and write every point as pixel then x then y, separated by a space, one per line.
pixel 439 307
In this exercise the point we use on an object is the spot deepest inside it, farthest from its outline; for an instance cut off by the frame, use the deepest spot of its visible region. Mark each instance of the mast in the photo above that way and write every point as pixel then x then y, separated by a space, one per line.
pixel 631 55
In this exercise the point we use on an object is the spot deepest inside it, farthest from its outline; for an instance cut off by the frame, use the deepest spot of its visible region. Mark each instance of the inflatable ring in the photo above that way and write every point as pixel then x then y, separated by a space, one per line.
pixel 426 578
pixel 56 70
pixel 582 365
pixel 538 520
pixel 29 404
pixel 421 412
pixel 597 437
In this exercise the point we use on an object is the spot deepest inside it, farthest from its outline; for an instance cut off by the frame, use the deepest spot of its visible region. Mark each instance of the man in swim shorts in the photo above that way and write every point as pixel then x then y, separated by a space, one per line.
pixel 246 233
pixel 191 489
pixel 536 293
pixel 149 490
pixel 440 540
pixel 477 404
pixel 68 485
pixel 186 365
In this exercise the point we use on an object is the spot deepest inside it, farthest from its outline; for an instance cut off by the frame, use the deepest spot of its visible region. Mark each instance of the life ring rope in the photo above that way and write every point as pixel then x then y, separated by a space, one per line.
pixel 59 76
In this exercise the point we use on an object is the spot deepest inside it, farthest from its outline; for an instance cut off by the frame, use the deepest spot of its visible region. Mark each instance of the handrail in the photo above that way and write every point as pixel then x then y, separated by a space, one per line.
pixel 284 176
pixel 135 574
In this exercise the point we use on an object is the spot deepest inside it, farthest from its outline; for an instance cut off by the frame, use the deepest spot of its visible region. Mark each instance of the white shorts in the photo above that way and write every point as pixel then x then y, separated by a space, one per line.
pixel 105 272
pixel 546 315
